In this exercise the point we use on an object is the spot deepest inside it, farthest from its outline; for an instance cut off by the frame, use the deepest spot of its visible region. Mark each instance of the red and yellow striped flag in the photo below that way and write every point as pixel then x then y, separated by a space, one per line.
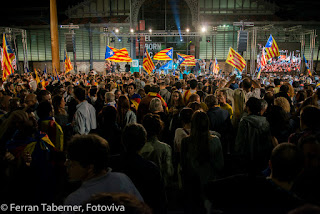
pixel 165 54
pixel 271 48
pixel 186 60
pixel 67 64
pixel 115 55
pixel 235 60
pixel 7 68
pixel 147 62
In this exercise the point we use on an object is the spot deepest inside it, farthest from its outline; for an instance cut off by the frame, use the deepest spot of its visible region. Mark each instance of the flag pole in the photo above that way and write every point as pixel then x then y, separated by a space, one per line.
pixel 54 34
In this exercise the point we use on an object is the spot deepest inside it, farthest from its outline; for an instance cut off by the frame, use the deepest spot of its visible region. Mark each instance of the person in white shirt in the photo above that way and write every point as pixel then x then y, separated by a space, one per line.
pixel 85 117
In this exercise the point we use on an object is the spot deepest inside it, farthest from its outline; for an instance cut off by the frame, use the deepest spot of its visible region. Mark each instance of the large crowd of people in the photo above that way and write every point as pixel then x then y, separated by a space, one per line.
pixel 161 143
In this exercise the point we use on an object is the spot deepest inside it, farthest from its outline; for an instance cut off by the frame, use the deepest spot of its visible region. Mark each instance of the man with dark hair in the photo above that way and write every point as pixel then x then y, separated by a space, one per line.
pixel 144 174
pixel 85 116
pixel 87 161
pixel 192 90
pixel 253 142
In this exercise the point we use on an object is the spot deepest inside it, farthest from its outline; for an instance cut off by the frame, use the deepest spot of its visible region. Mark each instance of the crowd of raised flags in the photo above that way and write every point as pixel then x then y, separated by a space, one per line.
pixel 271 50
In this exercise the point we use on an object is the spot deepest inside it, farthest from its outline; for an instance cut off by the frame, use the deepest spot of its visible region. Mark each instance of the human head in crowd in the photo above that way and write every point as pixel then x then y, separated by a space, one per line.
pixel 101 94
pixel 142 92
pixel 310 117
pixel 58 104
pixel 246 84
pixel 18 120
pixel 285 163
pixel 109 97
pixel 185 115
pixel 127 204
pixel 194 98
pixel 211 101
pixel 283 103
pixel 79 94
pixel 176 98
pixel 45 110
pixel 193 84
pixel 87 157
pixel 131 89
pixel 195 106
pixel 70 89
pixel 31 102
pixel 253 106
pixel 276 82
pixel 310 148
pixel 155 105
pixel 107 116
pixel 301 96
pixel 153 125
pixel 117 94
pixel 134 137
pixel 4 103
pixel 44 95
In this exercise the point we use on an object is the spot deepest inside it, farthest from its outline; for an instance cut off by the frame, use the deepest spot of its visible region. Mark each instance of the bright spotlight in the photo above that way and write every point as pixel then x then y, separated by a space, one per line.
pixel 203 29
pixel 224 25
pixel 131 30
pixel 188 30
pixel 181 40
pixel 117 30
pixel 150 30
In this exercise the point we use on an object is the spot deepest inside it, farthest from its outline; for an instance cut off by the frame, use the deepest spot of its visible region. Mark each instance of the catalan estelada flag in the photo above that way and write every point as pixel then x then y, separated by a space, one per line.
pixel 7 68
pixel 67 64
pixel 186 60
pixel 263 60
pixel 235 60
pixel 166 54
pixel 215 67
pixel 115 55
pixel 272 49
pixel 307 67
pixel 37 77
pixel 147 62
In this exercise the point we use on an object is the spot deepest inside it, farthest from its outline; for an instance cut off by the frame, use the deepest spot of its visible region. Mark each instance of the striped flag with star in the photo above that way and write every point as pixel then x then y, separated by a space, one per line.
pixel 6 60
pixel 235 60
pixel 186 60
pixel 216 67
pixel 116 55
pixel 166 54
pixel 147 62
pixel 307 67
pixel 272 49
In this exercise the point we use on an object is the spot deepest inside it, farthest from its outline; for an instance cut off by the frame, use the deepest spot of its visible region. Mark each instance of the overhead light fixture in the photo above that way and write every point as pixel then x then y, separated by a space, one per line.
pixel 203 29
pixel 150 30
pixel 131 30
pixel 117 30
pixel 188 30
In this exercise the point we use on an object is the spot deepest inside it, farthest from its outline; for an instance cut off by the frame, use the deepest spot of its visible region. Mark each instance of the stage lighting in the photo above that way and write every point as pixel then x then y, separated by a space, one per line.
pixel 181 40
pixel 117 30
pixel 131 30
pixel 188 30
pixel 119 39
pixel 150 30
pixel 203 29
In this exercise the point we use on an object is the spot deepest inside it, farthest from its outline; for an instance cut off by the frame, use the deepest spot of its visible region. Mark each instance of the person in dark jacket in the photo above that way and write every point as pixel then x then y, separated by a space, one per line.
pixel 220 122
pixel 144 174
